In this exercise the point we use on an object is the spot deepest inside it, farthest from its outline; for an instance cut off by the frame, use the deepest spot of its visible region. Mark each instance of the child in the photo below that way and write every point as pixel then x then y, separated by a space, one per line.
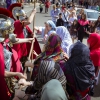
pixel 73 30
pixel 60 21
pixel 47 5
pixel 63 6
pixel 41 7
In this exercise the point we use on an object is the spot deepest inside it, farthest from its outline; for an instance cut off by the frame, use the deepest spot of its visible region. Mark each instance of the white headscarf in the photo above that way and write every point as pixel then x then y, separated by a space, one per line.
pixel 65 37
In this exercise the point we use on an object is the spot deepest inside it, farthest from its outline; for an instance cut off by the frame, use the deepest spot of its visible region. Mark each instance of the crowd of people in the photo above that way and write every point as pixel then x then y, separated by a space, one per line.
pixel 63 69
pixel 77 23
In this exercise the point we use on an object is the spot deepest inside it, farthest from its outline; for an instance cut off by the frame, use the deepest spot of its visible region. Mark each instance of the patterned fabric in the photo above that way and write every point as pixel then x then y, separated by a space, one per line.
pixel 49 70
pixel 7 57
pixel 53 46
pixel 52 51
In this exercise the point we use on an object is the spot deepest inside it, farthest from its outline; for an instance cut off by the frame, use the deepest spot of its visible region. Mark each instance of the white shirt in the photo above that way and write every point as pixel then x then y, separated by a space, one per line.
pixel 65 16
pixel 71 19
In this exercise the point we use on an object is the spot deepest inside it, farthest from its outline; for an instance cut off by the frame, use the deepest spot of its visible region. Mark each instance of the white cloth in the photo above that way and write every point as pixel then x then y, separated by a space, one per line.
pixel 65 16
pixel 65 37
pixel 63 34
pixel 71 20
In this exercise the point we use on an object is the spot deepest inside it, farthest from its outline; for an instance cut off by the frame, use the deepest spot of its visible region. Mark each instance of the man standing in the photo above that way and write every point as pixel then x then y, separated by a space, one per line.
pixel 55 13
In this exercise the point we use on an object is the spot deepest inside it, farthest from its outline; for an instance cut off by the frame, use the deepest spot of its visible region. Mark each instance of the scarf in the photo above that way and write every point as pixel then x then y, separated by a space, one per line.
pixel 81 67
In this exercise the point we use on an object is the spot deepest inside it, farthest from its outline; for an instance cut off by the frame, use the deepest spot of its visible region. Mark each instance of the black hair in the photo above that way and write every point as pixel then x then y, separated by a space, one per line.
pixel 60 13
pixel 17 17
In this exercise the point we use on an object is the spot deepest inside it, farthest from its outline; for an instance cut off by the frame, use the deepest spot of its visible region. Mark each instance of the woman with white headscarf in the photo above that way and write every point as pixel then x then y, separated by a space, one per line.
pixel 65 37
pixel 61 31
pixel 49 28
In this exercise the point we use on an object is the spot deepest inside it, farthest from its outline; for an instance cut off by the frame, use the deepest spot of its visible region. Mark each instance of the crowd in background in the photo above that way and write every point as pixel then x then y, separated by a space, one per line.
pixel 66 15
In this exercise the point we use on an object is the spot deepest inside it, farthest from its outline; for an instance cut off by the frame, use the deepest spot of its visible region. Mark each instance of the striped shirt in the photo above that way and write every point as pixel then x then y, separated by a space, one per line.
pixel 49 70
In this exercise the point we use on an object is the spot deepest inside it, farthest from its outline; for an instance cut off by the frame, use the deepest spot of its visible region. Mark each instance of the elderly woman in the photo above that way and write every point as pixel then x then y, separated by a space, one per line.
pixel 80 72
pixel 46 67
pixel 61 31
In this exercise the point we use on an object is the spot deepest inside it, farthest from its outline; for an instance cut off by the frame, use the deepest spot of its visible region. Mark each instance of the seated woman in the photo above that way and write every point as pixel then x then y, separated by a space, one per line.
pixel 80 72
pixel 46 66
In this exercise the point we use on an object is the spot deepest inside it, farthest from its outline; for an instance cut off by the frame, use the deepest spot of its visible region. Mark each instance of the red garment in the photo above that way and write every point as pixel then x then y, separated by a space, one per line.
pixel 63 8
pixel 83 22
pixel 94 42
pixel 23 49
pixel 15 67
pixel 47 4
pixel 3 86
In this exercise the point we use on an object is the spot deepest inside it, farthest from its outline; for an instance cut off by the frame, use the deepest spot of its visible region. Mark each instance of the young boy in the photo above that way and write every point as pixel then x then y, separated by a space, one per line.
pixel 41 7
pixel 60 21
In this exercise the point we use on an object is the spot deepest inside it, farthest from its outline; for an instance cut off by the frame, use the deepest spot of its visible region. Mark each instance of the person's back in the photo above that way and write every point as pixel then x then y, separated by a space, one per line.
pixel 78 70
pixel 53 90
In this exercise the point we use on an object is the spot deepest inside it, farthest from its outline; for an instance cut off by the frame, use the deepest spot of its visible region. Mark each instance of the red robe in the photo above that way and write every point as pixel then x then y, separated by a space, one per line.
pixel 15 67
pixel 94 43
pixel 23 49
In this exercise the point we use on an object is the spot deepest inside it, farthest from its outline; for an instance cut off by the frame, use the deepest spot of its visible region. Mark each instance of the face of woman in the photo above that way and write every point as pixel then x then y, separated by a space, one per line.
pixel 99 19
pixel 93 24
pixel 83 17
pixel 47 27
pixel 75 22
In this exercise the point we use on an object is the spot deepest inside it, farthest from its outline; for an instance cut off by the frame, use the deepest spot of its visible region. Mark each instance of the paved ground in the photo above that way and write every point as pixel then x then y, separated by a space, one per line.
pixel 39 21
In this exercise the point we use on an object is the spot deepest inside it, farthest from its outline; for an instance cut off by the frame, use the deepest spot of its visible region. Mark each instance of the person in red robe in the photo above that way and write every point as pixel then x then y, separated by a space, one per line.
pixel 23 31
pixel 10 65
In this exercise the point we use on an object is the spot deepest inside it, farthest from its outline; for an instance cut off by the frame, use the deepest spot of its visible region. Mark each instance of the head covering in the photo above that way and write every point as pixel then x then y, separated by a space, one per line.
pixel 53 45
pixel 17 11
pixel 53 90
pixel 94 43
pixel 52 24
pixel 80 66
pixel 63 33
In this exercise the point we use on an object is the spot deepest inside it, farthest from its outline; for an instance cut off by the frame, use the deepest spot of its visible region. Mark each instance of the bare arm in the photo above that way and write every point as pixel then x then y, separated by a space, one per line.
pixel 30 19
pixel 23 40
pixel 12 74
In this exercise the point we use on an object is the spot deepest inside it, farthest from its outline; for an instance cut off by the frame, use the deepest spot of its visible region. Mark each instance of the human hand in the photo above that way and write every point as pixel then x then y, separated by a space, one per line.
pixel 87 32
pixel 65 56
pixel 20 75
pixel 75 30
pixel 31 39
pixel 34 10
pixel 23 82
pixel 28 64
